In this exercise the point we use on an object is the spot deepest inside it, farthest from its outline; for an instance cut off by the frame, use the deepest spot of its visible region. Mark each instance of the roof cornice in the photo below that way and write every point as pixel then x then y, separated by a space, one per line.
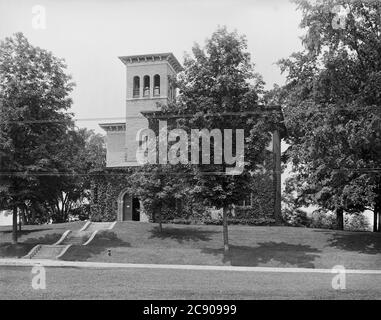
pixel 120 126
pixel 153 57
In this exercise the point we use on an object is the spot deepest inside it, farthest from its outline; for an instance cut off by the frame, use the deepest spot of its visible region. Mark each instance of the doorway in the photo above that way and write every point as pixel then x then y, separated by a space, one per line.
pixel 131 208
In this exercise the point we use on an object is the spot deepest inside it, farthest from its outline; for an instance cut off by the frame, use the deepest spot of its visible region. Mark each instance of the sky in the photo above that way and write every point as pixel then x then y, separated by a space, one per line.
pixel 91 34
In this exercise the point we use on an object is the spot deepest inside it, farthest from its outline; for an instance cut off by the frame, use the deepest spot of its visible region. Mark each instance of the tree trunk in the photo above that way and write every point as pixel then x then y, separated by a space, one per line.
pixel 24 216
pixel 191 210
pixel 21 214
pixel 14 225
pixel 339 219
pixel 377 209
pixel 33 215
pixel 159 218
pixel 225 229
pixel 375 214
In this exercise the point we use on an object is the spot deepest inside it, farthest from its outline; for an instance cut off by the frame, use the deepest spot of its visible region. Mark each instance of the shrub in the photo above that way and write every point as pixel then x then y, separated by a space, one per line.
pixel 81 213
pixel 323 220
pixel 249 212
pixel 295 218
pixel 356 222
pixel 260 221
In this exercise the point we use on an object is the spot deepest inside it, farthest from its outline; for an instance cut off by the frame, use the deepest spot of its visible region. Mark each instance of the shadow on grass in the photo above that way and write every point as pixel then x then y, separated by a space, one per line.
pixel 182 235
pixel 49 238
pixel 301 256
pixel 11 250
pixel 26 232
pixel 361 242
pixel 102 241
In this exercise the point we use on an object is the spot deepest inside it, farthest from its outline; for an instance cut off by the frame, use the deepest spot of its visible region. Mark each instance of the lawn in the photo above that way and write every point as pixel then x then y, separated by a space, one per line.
pixel 140 283
pixel 134 242
pixel 31 236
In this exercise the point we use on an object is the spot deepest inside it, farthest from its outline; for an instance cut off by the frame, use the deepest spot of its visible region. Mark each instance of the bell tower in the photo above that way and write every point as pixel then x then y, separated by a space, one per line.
pixel 148 83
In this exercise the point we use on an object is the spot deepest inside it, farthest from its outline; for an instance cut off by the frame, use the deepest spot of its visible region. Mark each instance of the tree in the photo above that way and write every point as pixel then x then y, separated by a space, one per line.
pixel 332 108
pixel 219 79
pixel 81 154
pixel 34 98
pixel 157 186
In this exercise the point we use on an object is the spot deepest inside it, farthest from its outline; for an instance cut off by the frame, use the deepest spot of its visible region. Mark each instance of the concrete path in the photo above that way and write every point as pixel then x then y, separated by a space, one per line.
pixel 106 265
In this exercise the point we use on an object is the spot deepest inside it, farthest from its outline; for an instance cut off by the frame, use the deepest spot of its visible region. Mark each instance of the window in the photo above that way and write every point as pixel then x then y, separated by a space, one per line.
pixel 170 92
pixel 146 86
pixel 136 87
pixel 156 85
pixel 247 201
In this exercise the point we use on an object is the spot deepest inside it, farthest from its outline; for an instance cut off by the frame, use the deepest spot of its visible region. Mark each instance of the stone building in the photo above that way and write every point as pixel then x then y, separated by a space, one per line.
pixel 148 86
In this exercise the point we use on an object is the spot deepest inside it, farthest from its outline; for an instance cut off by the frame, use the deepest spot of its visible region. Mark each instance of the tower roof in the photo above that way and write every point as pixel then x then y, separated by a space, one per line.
pixel 175 64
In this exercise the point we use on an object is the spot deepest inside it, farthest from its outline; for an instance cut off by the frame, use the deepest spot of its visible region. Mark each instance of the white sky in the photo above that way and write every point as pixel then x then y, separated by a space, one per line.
pixel 91 34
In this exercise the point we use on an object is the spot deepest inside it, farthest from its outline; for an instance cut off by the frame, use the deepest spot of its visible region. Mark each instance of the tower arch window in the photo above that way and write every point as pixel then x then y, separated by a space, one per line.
pixel 156 85
pixel 146 86
pixel 136 87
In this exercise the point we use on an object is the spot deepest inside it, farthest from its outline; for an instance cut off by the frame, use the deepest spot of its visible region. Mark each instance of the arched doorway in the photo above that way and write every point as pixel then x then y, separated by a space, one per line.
pixel 130 208
pixel 135 209
pixel 127 207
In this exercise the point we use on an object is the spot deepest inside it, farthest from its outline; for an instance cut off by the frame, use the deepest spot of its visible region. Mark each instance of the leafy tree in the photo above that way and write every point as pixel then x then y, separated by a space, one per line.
pixel 219 79
pixel 332 108
pixel 34 90
pixel 82 153
pixel 158 186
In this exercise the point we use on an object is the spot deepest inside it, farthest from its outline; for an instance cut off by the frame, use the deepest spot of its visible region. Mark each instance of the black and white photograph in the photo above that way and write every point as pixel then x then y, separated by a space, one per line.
pixel 190 155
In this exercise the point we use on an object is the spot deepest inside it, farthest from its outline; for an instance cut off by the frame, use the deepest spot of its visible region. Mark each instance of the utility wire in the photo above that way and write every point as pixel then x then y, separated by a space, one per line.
pixel 179 116
pixel 42 174
pixel 161 116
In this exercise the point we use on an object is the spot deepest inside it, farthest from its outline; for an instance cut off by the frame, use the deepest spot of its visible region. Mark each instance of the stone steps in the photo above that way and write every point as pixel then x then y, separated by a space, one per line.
pixel 71 238
pixel 95 226
pixel 77 238
pixel 48 251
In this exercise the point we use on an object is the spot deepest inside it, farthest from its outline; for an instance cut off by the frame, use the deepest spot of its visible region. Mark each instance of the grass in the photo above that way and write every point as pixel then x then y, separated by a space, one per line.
pixel 90 283
pixel 133 242
pixel 31 236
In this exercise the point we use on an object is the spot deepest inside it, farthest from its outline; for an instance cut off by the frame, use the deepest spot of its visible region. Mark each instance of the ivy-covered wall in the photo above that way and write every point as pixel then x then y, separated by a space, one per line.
pixel 258 210
pixel 105 189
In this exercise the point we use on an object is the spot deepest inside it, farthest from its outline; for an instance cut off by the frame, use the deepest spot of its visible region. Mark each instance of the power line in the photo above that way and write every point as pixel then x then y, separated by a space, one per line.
pixel 41 174
pixel 66 120
pixel 179 116
pixel 365 170
pixel 152 114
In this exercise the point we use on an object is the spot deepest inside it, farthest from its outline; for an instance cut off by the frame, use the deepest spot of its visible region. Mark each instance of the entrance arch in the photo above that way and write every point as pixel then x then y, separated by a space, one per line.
pixel 128 207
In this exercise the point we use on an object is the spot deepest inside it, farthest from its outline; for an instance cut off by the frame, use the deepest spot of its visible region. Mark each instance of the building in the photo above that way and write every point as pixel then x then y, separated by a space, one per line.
pixel 148 86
